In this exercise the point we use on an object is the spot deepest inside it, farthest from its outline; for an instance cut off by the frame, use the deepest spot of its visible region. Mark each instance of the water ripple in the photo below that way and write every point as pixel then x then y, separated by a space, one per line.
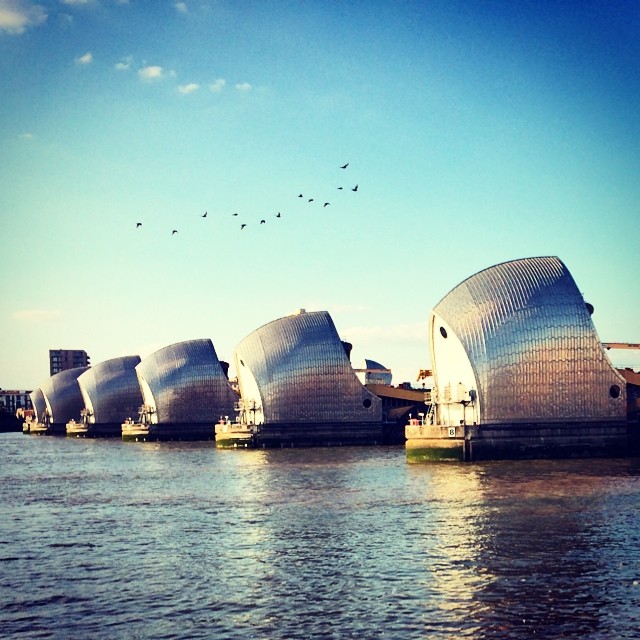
pixel 105 539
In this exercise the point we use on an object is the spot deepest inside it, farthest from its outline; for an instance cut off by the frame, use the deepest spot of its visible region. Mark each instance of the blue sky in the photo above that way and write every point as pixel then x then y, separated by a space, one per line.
pixel 477 132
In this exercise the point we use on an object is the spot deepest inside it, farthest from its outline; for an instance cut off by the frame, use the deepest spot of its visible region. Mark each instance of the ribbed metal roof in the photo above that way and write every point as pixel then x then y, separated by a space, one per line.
pixel 531 343
pixel 111 391
pixel 186 383
pixel 296 370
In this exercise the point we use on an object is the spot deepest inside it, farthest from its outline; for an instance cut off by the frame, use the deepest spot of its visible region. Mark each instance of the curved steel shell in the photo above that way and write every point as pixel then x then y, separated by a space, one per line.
pixel 531 344
pixel 38 403
pixel 376 373
pixel 185 383
pixel 111 391
pixel 296 370
pixel 62 395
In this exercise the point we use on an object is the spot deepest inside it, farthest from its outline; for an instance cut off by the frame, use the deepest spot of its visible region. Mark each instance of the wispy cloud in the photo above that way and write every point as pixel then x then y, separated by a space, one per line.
pixel 152 72
pixel 181 7
pixel 77 2
pixel 124 64
pixel 188 88
pixel 26 136
pixel 87 58
pixel 17 15
pixel 37 316
pixel 243 86
pixel 218 85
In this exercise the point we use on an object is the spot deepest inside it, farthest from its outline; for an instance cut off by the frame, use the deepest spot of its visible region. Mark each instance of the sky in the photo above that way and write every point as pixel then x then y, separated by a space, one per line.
pixel 477 132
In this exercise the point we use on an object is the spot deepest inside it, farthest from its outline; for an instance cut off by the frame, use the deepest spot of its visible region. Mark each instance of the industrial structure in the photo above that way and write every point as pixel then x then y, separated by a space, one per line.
pixel 57 401
pixel 519 371
pixel 39 405
pixel 111 393
pixel 298 386
pixel 185 391
pixel 373 372
pixel 399 403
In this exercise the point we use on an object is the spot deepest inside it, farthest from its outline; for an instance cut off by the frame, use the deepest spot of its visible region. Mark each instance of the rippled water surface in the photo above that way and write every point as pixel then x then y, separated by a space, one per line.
pixel 104 539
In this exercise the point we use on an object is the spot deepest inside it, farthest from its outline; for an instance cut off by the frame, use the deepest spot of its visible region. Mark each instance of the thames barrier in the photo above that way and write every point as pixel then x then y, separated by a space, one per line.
pixel 518 371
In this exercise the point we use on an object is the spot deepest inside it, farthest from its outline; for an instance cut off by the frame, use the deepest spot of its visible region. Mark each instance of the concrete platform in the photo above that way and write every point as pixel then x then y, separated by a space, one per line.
pixel 523 441
pixel 271 436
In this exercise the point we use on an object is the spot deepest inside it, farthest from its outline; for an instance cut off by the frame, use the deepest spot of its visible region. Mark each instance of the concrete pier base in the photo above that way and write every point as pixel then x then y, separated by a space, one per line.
pixel 271 436
pixel 40 429
pixel 96 430
pixel 523 441
pixel 169 432
pixel 201 432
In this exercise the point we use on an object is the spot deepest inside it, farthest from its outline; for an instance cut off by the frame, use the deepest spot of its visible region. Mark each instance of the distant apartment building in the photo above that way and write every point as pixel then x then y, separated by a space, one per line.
pixel 63 359
pixel 12 399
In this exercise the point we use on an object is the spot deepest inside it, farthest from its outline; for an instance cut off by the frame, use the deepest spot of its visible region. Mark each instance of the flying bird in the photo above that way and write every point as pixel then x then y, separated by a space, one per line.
pixel 326 204
pixel 204 215
pixel 138 224
pixel 278 215
pixel 310 199
pixel 355 188
pixel 340 188
pixel 174 231
pixel 262 221
pixel 242 226
pixel 300 195
pixel 344 166
pixel 234 214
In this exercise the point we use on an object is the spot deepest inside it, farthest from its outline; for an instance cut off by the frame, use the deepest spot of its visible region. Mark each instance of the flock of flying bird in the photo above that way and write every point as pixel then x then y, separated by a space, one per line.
pixel 277 215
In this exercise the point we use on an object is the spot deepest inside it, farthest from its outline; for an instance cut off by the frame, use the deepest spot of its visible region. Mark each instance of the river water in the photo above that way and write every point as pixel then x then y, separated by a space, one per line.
pixel 105 539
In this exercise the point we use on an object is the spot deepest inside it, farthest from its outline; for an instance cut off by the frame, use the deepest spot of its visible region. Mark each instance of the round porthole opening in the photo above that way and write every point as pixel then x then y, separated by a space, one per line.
pixel 614 391
pixel 366 403
pixel 443 332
